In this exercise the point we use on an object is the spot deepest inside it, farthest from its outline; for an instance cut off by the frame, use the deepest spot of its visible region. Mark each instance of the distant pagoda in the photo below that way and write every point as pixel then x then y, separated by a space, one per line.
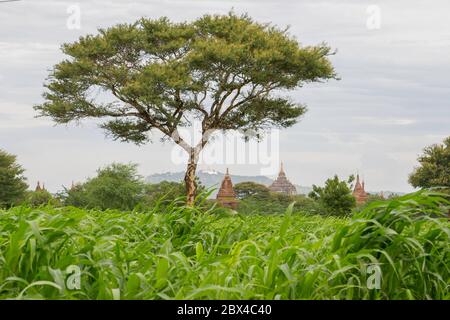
pixel 39 188
pixel 226 195
pixel 358 192
pixel 282 184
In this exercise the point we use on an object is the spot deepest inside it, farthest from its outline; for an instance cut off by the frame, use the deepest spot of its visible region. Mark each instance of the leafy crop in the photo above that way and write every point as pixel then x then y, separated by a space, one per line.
pixel 180 252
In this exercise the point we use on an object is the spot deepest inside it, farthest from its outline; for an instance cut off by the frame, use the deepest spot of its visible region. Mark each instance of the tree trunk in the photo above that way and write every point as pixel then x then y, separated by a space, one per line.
pixel 189 178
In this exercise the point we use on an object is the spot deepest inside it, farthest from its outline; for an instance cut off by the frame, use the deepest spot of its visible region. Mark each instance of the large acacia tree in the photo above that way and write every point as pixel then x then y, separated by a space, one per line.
pixel 229 72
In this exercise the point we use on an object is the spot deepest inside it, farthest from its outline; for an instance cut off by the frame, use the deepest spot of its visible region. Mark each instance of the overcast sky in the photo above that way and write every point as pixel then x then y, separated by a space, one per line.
pixel 392 100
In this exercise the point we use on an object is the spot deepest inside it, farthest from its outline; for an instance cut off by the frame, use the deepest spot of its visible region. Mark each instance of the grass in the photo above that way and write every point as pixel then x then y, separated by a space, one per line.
pixel 190 253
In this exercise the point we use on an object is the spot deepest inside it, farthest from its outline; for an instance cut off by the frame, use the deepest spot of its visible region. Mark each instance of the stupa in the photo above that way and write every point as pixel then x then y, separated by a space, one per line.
pixel 282 184
pixel 226 195
pixel 358 192
pixel 39 188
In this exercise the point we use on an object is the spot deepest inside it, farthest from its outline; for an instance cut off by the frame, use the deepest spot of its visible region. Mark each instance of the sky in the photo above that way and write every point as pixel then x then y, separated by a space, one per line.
pixel 393 98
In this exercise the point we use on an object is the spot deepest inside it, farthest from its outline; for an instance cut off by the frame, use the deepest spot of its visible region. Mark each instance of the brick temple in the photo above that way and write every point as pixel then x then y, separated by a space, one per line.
pixel 282 184
pixel 226 196
pixel 358 192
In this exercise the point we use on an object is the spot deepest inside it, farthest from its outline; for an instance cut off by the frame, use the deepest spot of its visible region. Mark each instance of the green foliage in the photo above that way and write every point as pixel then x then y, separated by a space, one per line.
pixel 400 237
pixel 75 196
pixel 335 197
pixel 307 205
pixel 187 253
pixel 227 71
pixel 434 169
pixel 374 197
pixel 269 206
pixel 166 192
pixel 117 186
pixel 251 189
pixel 158 70
pixel 170 191
pixel 39 198
pixel 371 198
pixel 12 181
pixel 256 198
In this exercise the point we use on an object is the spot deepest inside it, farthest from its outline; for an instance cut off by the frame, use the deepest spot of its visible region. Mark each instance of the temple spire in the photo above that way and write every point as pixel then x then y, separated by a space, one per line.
pixel 282 184
pixel 358 192
pixel 226 195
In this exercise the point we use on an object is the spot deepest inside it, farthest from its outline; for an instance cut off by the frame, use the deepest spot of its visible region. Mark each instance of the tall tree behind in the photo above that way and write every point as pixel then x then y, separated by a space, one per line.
pixel 228 72
pixel 12 181
pixel 335 197
pixel 117 186
pixel 434 169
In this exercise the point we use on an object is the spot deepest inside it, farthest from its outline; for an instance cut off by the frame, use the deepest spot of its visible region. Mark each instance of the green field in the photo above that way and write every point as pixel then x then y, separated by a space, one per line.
pixel 189 253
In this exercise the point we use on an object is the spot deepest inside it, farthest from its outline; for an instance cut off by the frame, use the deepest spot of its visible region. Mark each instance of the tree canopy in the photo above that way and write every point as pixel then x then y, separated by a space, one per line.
pixel 117 186
pixel 434 169
pixel 251 189
pixel 40 197
pixel 12 182
pixel 335 197
pixel 227 71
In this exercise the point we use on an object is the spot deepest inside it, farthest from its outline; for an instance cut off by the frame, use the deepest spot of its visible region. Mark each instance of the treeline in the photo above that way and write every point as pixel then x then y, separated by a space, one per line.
pixel 119 186
pixel 333 199
pixel 116 186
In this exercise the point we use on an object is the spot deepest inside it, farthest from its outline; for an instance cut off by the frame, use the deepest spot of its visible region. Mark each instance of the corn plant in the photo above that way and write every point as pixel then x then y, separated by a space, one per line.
pixel 175 251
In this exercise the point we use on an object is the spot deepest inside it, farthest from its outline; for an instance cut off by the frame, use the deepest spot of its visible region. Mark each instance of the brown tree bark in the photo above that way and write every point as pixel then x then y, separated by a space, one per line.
pixel 194 152
pixel 189 178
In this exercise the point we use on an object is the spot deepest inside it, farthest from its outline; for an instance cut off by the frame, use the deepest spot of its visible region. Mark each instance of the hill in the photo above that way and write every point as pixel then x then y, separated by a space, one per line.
pixel 214 178
pixel 207 178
